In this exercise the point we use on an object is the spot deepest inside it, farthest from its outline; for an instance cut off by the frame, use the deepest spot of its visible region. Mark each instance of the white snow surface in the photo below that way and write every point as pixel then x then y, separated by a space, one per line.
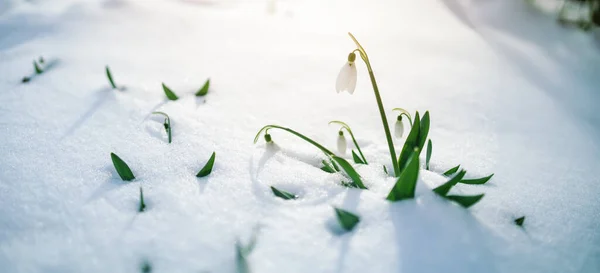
pixel 509 90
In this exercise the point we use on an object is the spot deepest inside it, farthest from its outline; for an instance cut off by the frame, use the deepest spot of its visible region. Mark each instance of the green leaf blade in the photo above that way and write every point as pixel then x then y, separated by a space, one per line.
pixel 204 90
pixel 443 189
pixel 142 206
pixel 110 78
pixel 465 201
pixel 122 169
pixel 519 221
pixel 356 158
pixel 477 181
pixel 346 219
pixel 327 167
pixel 423 130
pixel 410 143
pixel 207 169
pixel 452 171
pixel 283 194
pixel 169 93
pixel 407 181
pixel 428 157
pixel 350 171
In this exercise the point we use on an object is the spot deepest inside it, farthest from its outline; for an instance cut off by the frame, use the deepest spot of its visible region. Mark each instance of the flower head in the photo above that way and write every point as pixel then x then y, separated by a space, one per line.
pixel 341 143
pixel 399 128
pixel 346 80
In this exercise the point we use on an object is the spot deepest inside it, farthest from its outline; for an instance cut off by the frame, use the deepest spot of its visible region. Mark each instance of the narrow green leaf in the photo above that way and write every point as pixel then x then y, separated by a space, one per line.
pixel 410 143
pixel 346 219
pixel 204 90
pixel 445 188
pixel 385 170
pixel 38 69
pixel 122 169
pixel 169 93
pixel 477 181
pixel 428 158
pixel 142 206
pixel 327 167
pixel 110 78
pixel 407 181
pixel 146 267
pixel 519 221
pixel 452 171
pixel 335 166
pixel 465 200
pixel 423 130
pixel 350 171
pixel 283 194
pixel 356 158
pixel 207 169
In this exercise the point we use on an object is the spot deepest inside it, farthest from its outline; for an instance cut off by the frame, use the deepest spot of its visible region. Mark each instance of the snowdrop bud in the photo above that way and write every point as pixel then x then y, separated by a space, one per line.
pixel 268 138
pixel 341 143
pixel 399 127
pixel 346 80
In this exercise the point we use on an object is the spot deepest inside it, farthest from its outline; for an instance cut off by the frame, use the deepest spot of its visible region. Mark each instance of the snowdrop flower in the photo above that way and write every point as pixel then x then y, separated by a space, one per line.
pixel 399 128
pixel 341 143
pixel 346 80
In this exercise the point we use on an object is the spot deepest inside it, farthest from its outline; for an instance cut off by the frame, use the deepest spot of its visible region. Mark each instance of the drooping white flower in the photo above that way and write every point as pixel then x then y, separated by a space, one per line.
pixel 346 80
pixel 341 143
pixel 399 128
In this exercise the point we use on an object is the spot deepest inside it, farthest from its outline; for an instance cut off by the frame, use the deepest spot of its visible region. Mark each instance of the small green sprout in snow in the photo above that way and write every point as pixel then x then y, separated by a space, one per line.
pixel 166 124
pixel 110 78
pixel 170 94
pixel 346 219
pixel 207 169
pixel 142 206
pixel 519 221
pixel 243 251
pixel 26 79
pixel 452 171
pixel 428 157
pixel 41 60
pixel 38 69
pixel 204 90
pixel 122 169
pixel 283 194
pixel 146 267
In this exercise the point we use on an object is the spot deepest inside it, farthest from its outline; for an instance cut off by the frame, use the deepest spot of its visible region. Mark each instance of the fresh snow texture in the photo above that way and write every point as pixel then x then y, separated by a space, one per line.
pixel 510 92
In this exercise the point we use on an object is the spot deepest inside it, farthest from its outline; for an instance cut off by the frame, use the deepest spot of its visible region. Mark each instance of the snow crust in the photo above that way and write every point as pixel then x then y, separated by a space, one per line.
pixel 510 92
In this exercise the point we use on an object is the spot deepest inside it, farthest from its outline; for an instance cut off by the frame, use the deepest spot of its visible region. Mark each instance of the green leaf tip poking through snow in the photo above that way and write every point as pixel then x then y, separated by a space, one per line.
pixel 142 206
pixel 170 94
pixel 407 181
pixel 243 251
pixel 146 267
pixel 122 169
pixel 283 194
pixel 204 90
pixel 356 158
pixel 346 219
pixel 443 189
pixel 452 170
pixel 37 68
pixel 350 171
pixel 465 200
pixel 166 124
pixel 519 221
pixel 428 157
pixel 110 78
pixel 207 169
pixel 477 181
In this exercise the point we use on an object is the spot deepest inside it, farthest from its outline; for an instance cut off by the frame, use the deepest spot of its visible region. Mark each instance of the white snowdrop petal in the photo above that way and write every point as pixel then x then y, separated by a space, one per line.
pixel 341 144
pixel 343 78
pixel 399 129
pixel 352 81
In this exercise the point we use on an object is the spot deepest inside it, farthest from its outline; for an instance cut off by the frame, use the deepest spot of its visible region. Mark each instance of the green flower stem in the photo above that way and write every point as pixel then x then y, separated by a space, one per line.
pixel 305 138
pixel 388 135
pixel 345 126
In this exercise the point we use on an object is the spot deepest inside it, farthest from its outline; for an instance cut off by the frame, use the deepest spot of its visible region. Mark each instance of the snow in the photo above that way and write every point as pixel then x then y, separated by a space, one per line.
pixel 510 92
